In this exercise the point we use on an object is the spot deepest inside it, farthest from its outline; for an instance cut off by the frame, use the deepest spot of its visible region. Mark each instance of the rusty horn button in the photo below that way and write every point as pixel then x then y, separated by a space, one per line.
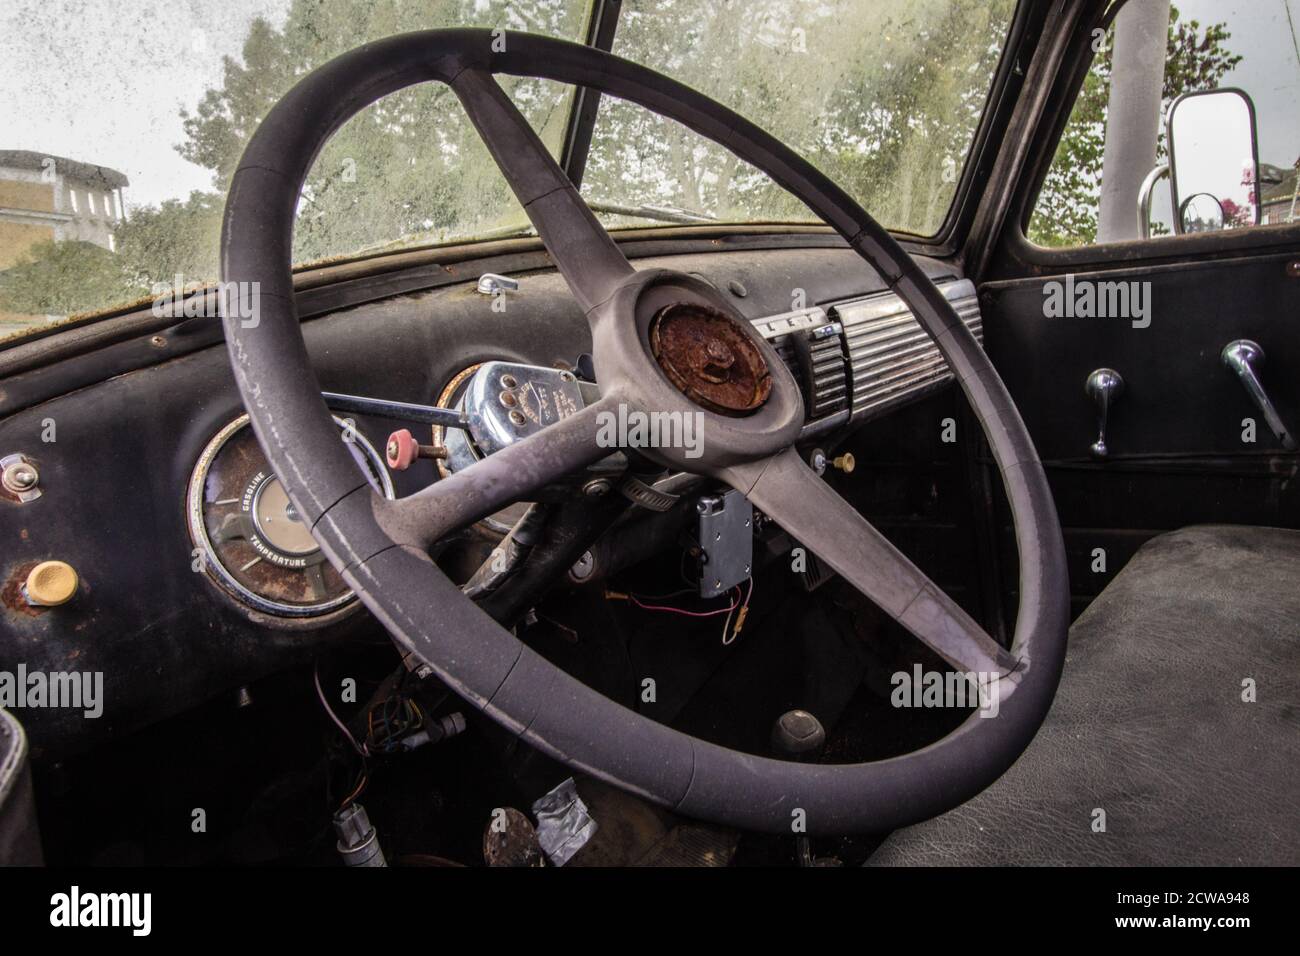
pixel 710 359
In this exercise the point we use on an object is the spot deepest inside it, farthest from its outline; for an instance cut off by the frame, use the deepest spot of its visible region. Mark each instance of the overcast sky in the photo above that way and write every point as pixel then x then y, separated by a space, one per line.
pixel 104 82
pixel 1270 72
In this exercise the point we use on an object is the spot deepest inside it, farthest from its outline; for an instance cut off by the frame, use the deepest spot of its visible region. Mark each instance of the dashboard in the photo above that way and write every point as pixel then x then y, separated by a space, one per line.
pixel 190 563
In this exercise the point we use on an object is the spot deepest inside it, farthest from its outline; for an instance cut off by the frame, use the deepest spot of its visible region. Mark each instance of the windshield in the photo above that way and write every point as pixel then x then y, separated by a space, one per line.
pixel 123 123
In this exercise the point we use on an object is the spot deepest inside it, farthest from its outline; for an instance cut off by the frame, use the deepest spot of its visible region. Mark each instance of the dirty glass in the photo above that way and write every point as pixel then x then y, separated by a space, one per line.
pixel 123 123
pixel 884 98
pixel 1211 44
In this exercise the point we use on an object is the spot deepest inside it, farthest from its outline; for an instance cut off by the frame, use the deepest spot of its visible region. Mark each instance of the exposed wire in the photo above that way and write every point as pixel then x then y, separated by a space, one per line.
pixel 668 609
pixel 729 635
pixel 361 786
pixel 315 676
pixel 680 592
pixel 398 717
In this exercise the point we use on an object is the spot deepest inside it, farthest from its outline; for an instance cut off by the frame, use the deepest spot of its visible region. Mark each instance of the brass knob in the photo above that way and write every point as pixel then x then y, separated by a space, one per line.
pixel 51 583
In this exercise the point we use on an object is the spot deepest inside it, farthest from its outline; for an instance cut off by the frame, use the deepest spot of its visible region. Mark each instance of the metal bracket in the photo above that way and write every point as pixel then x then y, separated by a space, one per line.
pixel 21 479
pixel 726 538
pixel 490 283
pixel 647 496
pixel 1144 201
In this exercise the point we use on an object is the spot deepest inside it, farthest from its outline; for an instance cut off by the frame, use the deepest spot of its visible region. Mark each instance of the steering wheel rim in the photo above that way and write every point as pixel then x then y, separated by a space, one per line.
pixel 381 547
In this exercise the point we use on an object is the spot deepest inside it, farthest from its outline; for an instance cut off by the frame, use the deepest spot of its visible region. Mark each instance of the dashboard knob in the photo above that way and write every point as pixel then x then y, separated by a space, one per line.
pixel 50 584
pixel 402 450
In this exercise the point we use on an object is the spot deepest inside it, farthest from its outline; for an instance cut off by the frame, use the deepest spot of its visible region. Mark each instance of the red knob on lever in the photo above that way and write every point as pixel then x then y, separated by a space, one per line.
pixel 402 450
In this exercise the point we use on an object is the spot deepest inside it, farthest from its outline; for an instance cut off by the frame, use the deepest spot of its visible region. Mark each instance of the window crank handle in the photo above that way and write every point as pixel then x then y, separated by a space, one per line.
pixel 1244 357
pixel 1104 386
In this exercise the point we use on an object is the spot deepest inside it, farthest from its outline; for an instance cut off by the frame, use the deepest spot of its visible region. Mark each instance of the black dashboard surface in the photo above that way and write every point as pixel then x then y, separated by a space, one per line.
pixel 114 479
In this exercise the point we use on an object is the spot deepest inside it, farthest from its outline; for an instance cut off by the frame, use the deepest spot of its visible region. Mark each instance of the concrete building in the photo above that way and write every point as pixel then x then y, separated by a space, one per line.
pixel 44 197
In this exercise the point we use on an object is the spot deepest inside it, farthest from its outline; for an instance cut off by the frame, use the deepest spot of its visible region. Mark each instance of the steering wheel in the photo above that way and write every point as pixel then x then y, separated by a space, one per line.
pixel 381 546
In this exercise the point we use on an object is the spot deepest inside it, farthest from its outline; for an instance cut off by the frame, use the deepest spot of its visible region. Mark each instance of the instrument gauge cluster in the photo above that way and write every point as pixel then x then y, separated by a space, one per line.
pixel 247 535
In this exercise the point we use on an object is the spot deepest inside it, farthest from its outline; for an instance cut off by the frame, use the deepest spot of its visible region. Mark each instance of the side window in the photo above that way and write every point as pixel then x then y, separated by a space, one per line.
pixel 1224 174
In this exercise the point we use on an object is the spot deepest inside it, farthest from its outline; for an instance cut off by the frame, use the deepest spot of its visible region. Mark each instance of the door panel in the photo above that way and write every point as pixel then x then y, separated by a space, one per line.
pixel 1177 454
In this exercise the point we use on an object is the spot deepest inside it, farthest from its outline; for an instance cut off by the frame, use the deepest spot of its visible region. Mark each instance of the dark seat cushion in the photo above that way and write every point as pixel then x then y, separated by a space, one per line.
pixel 1149 724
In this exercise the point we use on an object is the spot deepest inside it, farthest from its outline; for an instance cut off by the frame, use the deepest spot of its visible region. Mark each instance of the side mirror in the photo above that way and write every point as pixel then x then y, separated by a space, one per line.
pixel 1202 212
pixel 1213 161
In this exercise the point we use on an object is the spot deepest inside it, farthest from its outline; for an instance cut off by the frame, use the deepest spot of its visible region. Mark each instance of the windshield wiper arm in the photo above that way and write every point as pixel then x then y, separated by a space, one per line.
pixel 660 213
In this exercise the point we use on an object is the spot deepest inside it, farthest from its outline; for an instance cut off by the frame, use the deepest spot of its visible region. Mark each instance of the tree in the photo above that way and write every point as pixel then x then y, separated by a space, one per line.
pixel 409 165
pixel 1067 207
pixel 60 278
pixel 884 98
pixel 175 238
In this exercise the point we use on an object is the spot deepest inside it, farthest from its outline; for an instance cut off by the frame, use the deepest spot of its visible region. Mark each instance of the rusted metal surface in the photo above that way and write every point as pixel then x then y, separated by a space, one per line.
pixel 238 467
pixel 510 839
pixel 706 355
pixel 11 594
pixel 447 399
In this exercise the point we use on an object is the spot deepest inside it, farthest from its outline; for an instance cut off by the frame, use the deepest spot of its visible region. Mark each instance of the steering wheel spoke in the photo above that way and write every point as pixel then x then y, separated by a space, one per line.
pixel 500 479
pixel 792 494
pixel 586 256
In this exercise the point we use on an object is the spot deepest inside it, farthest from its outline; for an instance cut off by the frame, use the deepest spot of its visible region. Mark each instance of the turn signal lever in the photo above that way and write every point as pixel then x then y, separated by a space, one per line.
pixel 407 411
pixel 1244 357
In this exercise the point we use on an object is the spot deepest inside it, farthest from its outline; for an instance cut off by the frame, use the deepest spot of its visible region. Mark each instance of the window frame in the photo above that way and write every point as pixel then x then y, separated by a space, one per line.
pixel 1004 89
pixel 1017 254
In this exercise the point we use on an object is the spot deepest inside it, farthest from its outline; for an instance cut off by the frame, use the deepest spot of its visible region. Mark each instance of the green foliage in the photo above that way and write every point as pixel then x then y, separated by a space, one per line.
pixel 176 238
pixel 60 278
pixel 1067 208
pixel 153 246
pixel 884 98
pixel 409 166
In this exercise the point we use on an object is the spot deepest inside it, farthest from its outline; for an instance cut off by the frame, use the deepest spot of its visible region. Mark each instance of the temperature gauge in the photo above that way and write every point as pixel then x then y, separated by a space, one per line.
pixel 249 535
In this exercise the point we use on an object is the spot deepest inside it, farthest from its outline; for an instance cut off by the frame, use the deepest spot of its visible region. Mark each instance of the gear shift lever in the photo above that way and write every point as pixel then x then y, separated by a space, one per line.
pixel 799 736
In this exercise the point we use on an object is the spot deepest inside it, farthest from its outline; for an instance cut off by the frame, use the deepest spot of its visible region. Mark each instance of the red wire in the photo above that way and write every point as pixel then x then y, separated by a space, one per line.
pixel 677 610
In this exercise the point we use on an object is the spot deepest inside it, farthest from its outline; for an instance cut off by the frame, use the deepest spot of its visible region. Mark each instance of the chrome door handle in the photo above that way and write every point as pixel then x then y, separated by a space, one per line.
pixel 1244 358
pixel 1104 387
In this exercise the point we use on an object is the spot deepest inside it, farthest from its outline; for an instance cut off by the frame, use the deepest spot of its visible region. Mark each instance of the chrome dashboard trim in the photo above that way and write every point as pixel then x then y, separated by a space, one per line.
pixel 865 356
